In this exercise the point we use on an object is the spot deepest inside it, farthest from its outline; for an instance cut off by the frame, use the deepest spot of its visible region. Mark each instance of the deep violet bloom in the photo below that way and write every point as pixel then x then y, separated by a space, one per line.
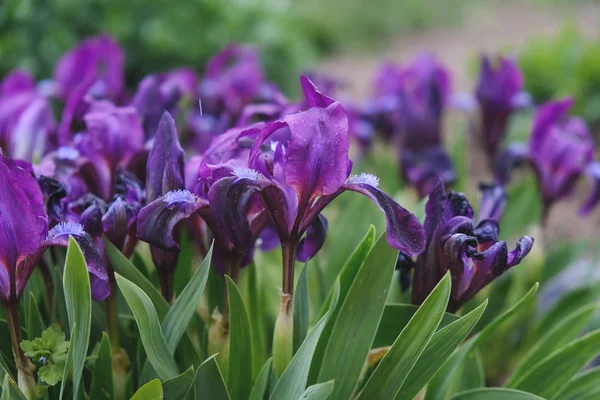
pixel 94 69
pixel 24 235
pixel 233 93
pixel 163 92
pixel 499 94
pixel 299 164
pixel 560 151
pixel 408 109
pixel 232 79
pixel 112 138
pixel 216 200
pixel 27 122
pixel 470 251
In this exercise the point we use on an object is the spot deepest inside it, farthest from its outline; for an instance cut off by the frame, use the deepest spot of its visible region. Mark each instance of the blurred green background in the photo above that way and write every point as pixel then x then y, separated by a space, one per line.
pixel 162 34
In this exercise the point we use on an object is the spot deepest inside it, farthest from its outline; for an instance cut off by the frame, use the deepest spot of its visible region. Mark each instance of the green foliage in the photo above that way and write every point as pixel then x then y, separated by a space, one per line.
pixel 78 300
pixel 568 64
pixel 50 350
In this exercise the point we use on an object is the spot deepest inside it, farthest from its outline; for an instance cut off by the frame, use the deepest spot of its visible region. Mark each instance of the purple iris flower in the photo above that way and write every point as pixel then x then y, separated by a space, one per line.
pixel 25 235
pixel 163 92
pixel 94 69
pixel 232 79
pixel 299 164
pixel 499 94
pixel 113 137
pixel 470 250
pixel 408 109
pixel 27 123
pixel 560 151
pixel 233 92
pixel 232 213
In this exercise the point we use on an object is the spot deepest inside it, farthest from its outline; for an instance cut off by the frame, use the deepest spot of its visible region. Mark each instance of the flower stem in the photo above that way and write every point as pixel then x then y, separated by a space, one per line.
pixel 166 278
pixel 288 253
pixel 25 368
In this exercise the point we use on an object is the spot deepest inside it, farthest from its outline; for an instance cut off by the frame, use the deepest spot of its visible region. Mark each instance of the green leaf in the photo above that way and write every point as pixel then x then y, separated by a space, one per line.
pixel 395 318
pixel 209 384
pixel 566 306
pixel 320 391
pixel 102 377
pixel 357 320
pixel 495 394
pixel 35 323
pixel 439 349
pixel 150 391
pixel 10 391
pixel 68 365
pixel 185 267
pixel 439 386
pixel 558 336
pixel 390 374
pixel 262 382
pixel 179 316
pixel 128 271
pixel 471 375
pixel 301 309
pixel 293 380
pixel 257 322
pixel 582 386
pixel 178 388
pixel 239 377
pixel 76 284
pixel 151 334
pixel 546 378
pixel 5 368
pixel 346 277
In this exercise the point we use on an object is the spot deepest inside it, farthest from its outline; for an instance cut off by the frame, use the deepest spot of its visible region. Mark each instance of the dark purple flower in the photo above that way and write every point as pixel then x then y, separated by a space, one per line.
pixel 93 70
pixel 25 235
pixel 163 92
pixel 27 122
pixel 98 64
pixel 300 164
pixel 560 151
pixel 408 110
pixel 113 137
pixel 232 79
pixel 471 252
pixel 499 93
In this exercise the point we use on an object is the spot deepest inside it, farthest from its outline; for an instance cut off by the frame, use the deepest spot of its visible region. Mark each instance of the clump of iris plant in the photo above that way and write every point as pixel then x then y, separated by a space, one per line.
pixel 24 237
pixel 560 152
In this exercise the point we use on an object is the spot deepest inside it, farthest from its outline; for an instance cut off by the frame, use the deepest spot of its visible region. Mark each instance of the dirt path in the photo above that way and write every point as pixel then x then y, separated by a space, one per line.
pixel 499 26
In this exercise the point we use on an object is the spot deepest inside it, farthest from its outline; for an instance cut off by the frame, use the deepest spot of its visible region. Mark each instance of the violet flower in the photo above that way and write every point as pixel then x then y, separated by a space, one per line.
pixel 560 151
pixel 226 210
pixel 27 122
pixel 470 251
pixel 24 237
pixel 163 92
pixel 499 94
pixel 165 173
pixel 113 137
pixel 94 69
pixel 408 109
pixel 299 165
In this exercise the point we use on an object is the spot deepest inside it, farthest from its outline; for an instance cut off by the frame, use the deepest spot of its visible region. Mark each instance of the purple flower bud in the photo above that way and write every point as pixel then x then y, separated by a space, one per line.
pixel 499 93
